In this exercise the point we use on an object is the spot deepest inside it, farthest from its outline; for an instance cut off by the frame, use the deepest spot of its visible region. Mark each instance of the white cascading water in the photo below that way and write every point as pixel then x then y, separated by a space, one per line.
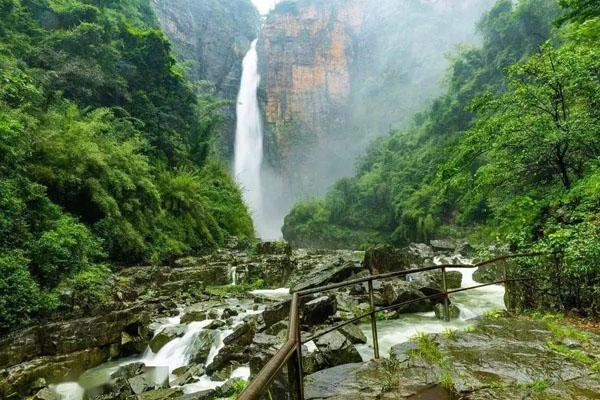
pixel 249 136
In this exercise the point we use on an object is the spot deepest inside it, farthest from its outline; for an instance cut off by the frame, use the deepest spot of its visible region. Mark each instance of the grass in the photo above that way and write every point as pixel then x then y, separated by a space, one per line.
pixel 228 290
pixel 427 349
pixel 392 369
pixel 451 334
pixel 575 354
pixel 493 315
pixel 537 386
pixel 238 386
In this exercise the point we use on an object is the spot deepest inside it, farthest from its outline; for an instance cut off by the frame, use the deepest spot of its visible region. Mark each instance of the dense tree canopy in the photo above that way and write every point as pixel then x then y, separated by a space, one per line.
pixel 105 149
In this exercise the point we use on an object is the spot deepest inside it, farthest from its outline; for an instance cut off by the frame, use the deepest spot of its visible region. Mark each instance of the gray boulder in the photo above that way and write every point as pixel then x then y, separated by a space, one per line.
pixel 354 334
pixel 165 336
pixel 337 349
pixel 453 311
pixel 396 292
pixel 46 394
pixel 318 310
pixel 202 344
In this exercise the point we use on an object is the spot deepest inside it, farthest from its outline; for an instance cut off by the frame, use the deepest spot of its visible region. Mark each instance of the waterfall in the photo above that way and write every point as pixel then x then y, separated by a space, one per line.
pixel 249 136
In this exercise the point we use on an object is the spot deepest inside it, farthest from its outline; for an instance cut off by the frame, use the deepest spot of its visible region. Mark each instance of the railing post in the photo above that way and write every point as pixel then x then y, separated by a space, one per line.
pixel 300 369
pixel 373 320
pixel 506 286
pixel 445 288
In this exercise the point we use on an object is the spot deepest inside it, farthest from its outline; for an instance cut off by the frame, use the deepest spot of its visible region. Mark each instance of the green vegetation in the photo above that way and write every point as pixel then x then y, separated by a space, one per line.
pixel 106 153
pixel 391 373
pixel 509 155
pixel 428 350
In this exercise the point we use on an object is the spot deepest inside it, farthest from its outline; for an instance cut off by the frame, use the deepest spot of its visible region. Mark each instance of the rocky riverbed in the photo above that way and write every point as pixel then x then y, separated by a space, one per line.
pixel 201 328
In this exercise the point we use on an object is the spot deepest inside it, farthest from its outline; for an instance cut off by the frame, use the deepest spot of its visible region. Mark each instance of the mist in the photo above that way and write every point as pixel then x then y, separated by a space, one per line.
pixel 337 74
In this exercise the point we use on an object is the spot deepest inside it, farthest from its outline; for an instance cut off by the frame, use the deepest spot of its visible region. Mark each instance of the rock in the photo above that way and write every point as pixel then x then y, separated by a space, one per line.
pixel 401 352
pixel 46 394
pixel 443 244
pixel 231 387
pixel 242 335
pixel 132 344
pixel 397 292
pixel 340 382
pixel 384 258
pixel 318 310
pixel 39 384
pixel 276 329
pixel 195 312
pixel 354 334
pixel 190 375
pixel 271 248
pixel 201 345
pixel 327 273
pixel 165 336
pixel 228 312
pixel 430 282
pixel 161 394
pixel 337 350
pixel 202 395
pixel 216 324
pixel 129 370
pixel 453 311
pixel 421 250
pixel 277 312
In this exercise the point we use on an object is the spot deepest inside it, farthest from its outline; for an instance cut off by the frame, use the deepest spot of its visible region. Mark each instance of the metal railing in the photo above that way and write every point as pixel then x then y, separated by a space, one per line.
pixel 290 353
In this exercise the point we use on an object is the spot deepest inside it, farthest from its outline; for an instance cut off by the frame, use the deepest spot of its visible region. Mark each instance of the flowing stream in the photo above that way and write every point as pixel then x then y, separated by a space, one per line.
pixel 472 304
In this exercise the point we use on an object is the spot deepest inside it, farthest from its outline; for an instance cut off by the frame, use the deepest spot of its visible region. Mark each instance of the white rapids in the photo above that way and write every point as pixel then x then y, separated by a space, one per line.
pixel 471 303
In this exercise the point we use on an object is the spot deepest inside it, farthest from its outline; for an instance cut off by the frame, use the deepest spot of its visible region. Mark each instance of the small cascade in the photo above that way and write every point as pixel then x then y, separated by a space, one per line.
pixel 233 275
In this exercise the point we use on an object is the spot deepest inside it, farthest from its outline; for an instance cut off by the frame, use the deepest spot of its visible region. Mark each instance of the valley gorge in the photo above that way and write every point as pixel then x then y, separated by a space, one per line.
pixel 328 85
pixel 299 200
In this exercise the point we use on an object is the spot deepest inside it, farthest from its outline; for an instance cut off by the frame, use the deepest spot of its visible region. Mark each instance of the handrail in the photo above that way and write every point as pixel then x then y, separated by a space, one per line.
pixel 291 351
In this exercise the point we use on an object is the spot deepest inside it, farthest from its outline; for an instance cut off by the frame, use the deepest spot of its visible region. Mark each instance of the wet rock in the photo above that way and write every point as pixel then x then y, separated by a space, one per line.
pixel 384 258
pixel 337 349
pixel 199 312
pixel 230 387
pixel 216 324
pixel 398 291
pixel 340 382
pixel 431 282
pixel 421 250
pixel 354 334
pixel 277 312
pixel 161 394
pixel 318 310
pixel 201 345
pixel 165 336
pixel 443 244
pixel 453 311
pixel 402 351
pixel 228 312
pixel 327 273
pixel 190 375
pixel 202 395
pixel 46 394
pixel 242 335
pixel 276 329
pixel 129 370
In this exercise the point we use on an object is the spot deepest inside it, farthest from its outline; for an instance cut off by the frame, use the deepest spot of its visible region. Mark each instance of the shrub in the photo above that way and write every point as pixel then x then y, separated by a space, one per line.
pixel 19 294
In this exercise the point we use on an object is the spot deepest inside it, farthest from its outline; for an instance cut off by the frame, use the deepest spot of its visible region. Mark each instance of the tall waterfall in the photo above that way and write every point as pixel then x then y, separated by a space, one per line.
pixel 249 137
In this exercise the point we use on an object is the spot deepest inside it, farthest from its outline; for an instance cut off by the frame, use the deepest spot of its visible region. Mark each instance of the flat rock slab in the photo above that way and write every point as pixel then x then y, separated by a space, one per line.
pixel 508 358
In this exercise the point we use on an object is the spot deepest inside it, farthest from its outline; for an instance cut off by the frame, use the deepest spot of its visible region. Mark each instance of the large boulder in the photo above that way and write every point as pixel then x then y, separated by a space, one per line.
pixel 202 344
pixel 190 375
pixel 337 349
pixel 384 258
pixel 165 336
pixel 397 291
pixel 277 312
pixel 440 312
pixel 46 394
pixel 273 248
pixel 161 394
pixel 198 311
pixel 354 334
pixel 328 273
pixel 489 273
pixel 431 282
pixel 318 310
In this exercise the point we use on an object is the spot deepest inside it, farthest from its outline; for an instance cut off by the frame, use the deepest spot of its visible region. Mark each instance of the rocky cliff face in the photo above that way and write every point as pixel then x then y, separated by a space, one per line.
pixel 337 73
pixel 211 37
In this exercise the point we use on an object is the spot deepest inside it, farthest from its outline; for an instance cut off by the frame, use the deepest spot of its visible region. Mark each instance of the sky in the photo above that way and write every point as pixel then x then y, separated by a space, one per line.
pixel 264 6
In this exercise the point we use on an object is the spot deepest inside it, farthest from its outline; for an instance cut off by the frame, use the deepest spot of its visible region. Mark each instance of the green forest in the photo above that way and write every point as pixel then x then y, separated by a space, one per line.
pixel 508 155
pixel 106 153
